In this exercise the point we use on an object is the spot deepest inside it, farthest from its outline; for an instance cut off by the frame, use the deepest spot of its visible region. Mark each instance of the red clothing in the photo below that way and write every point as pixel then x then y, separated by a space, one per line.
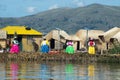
pixel 14 49
pixel 91 43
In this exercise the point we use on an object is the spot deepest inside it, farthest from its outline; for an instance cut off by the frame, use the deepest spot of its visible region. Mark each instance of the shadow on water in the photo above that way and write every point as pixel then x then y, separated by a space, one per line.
pixel 58 71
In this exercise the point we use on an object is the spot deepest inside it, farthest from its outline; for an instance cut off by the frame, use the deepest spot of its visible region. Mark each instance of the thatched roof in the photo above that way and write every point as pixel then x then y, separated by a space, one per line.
pixel 82 34
pixel 3 34
pixel 55 34
pixel 117 36
pixel 74 38
pixel 109 34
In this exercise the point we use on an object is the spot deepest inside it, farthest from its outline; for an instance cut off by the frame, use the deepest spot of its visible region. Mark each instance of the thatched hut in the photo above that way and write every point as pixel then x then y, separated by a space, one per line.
pixel 85 34
pixel 57 39
pixel 29 39
pixel 115 40
pixel 3 37
pixel 105 37
pixel 116 36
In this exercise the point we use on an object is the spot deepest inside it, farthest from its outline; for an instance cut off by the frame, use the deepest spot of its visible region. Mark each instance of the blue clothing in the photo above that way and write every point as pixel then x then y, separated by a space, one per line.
pixel 44 48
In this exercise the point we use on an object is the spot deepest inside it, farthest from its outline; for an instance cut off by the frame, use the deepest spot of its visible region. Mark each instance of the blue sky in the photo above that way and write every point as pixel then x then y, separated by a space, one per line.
pixel 20 8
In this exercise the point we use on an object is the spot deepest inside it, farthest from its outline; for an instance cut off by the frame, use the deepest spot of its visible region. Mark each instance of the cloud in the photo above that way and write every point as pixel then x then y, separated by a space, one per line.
pixel 31 9
pixel 79 3
pixel 53 6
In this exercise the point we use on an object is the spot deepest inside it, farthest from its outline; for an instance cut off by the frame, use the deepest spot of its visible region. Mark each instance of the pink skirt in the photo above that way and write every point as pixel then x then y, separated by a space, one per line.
pixel 14 49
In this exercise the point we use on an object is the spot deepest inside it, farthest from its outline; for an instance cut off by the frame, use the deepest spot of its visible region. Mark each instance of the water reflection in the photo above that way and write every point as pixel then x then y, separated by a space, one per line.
pixel 14 71
pixel 44 73
pixel 69 72
pixel 58 71
pixel 91 69
pixel 23 71
pixel 91 74
pixel 82 72
pixel 2 71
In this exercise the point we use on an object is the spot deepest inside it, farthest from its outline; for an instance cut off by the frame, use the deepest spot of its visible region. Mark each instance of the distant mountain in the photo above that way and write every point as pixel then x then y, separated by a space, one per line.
pixel 95 16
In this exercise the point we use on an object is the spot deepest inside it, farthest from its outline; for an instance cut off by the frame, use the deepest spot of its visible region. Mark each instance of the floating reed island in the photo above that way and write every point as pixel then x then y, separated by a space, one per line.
pixel 61 57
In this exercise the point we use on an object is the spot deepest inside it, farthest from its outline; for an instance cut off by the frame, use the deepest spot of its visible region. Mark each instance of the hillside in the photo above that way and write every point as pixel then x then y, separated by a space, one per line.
pixel 95 16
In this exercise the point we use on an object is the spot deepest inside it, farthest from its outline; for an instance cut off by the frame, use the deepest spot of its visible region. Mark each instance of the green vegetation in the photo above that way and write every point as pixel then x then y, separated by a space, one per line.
pixel 94 16
pixel 115 49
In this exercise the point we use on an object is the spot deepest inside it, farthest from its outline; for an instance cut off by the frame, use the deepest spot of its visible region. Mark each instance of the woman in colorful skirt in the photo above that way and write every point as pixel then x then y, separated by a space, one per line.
pixel 91 46
pixel 45 46
pixel 69 48
pixel 14 47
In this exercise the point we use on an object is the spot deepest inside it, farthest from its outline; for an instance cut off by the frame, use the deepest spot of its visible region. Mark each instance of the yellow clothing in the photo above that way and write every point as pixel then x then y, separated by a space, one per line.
pixel 91 50
pixel 91 70
pixel 45 43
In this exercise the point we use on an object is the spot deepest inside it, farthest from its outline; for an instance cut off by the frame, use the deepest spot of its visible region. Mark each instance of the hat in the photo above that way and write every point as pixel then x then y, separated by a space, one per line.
pixel 91 38
pixel 44 37
pixel 15 37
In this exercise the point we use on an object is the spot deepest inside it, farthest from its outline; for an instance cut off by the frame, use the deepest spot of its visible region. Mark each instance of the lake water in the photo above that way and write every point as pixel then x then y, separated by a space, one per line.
pixel 58 71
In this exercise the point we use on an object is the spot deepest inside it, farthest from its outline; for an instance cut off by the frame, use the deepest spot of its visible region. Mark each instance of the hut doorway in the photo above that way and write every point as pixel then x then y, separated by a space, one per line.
pixel 78 45
pixel 107 46
pixel 20 42
pixel 52 43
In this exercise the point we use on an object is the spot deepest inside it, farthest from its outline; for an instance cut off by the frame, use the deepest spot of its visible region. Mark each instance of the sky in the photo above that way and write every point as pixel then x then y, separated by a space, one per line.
pixel 21 8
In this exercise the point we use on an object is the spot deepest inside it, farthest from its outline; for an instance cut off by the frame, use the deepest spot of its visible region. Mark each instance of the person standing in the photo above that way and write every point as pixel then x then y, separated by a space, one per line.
pixel 15 46
pixel 45 46
pixel 69 49
pixel 91 46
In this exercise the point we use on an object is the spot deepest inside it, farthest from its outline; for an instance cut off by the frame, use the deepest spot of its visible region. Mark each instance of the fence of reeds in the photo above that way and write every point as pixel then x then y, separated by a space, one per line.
pixel 61 57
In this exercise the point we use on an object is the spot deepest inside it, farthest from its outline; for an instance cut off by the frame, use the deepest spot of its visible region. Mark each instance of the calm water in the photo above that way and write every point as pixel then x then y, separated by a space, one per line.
pixel 58 71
